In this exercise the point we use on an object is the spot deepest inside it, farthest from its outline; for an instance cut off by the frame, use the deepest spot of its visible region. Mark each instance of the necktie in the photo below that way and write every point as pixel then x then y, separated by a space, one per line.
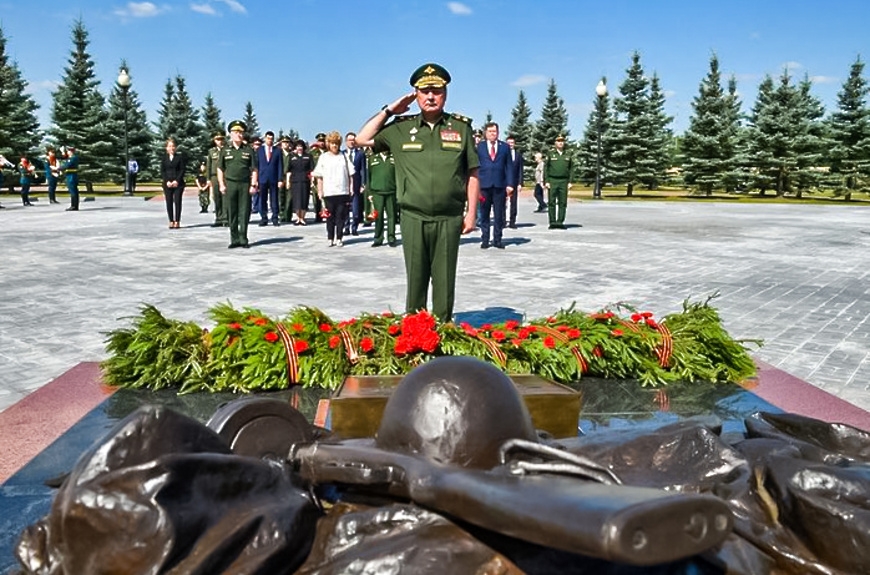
pixel 492 151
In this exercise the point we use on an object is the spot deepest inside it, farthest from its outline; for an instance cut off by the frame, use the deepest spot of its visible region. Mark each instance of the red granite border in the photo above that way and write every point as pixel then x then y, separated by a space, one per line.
pixel 32 424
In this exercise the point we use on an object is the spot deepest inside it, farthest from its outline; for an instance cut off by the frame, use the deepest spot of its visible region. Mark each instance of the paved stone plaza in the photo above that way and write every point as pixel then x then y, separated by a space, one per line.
pixel 793 275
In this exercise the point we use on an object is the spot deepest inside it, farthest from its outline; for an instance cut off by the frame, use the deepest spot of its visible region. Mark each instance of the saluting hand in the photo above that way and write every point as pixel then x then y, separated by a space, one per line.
pixel 403 104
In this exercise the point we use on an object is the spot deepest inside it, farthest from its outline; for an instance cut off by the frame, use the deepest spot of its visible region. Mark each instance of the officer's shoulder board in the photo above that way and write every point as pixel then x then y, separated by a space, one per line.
pixel 398 119
pixel 461 118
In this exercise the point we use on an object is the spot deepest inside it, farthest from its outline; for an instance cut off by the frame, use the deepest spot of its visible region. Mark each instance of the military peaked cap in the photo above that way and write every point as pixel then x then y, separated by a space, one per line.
pixel 430 76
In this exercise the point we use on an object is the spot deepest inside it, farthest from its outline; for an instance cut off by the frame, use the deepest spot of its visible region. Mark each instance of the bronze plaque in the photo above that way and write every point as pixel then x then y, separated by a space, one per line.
pixel 358 405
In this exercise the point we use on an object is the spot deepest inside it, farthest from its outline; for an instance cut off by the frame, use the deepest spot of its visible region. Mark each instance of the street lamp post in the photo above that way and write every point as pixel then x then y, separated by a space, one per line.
pixel 601 92
pixel 124 83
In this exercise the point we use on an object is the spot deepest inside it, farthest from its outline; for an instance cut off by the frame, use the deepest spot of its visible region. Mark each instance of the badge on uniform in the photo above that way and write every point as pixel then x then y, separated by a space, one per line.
pixel 450 136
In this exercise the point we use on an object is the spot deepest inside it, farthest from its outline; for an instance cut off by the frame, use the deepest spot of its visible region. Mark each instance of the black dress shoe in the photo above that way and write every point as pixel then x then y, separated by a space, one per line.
pixel 55 202
pixel 553 227
pixel 217 225
pixel 232 246
pixel 392 244
pixel 354 233
pixel 498 245
pixel 512 226
pixel 484 245
pixel 72 209
pixel 377 244
pixel 245 246
pixel 264 224
pixel 276 224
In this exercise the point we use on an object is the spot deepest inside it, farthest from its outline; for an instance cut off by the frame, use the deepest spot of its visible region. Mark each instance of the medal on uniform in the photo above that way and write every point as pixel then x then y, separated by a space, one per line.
pixel 412 132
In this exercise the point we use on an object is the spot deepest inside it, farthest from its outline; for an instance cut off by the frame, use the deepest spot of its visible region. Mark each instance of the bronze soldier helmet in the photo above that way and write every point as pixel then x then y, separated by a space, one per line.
pixel 455 410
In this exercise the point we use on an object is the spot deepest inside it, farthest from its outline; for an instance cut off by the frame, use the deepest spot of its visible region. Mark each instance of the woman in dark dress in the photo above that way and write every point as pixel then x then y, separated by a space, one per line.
pixel 172 178
pixel 299 181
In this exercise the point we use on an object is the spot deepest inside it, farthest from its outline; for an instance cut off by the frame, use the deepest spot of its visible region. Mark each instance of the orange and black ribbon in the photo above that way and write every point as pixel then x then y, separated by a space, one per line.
pixel 578 355
pixel 349 346
pixel 292 357
pixel 666 349
pixel 494 349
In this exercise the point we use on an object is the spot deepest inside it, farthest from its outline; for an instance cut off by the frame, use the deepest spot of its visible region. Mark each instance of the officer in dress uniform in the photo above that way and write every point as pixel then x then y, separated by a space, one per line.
pixel 381 187
pixel 557 178
pixel 211 167
pixel 70 168
pixel 237 179
pixel 285 203
pixel 436 174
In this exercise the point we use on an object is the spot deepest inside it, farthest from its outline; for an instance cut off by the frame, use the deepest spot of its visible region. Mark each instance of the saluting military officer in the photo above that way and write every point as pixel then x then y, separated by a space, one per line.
pixel 436 173
pixel 557 180
pixel 211 167
pixel 237 178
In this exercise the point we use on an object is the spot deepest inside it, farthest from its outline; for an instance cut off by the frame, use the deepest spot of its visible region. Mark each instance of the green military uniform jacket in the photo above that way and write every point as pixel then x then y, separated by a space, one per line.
pixel 237 164
pixel 432 164
pixel 211 162
pixel 558 166
pixel 382 173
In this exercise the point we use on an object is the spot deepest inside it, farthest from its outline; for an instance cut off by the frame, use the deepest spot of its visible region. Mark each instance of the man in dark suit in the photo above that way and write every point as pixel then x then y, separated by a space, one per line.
pixel 357 158
pixel 517 178
pixel 270 178
pixel 496 176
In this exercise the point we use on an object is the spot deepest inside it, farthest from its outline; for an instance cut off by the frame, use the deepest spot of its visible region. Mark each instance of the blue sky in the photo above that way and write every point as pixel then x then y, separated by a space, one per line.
pixel 316 65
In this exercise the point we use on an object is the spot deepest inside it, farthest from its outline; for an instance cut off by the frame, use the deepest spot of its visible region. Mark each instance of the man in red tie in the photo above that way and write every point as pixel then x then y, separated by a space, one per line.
pixel 497 183
pixel 271 178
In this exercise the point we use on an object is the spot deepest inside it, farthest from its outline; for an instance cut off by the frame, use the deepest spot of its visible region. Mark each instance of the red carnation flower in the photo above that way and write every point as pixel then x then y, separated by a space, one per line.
pixel 549 342
pixel 297 327
pixel 636 317
pixel 646 314
pixel 325 327
pixel 524 333
pixel 652 323
pixel 573 333
pixel 393 329
pixel 498 335
pixel 511 324
pixel 261 321
pixel 271 336
pixel 300 345
pixel 532 328
pixel 562 328
pixel 366 344
pixel 387 314
pixel 333 342
pixel 486 327
pixel 616 332
pixel 517 342
pixel 235 325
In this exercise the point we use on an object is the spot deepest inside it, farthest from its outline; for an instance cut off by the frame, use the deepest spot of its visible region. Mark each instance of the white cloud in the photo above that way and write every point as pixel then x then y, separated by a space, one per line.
pixel 204 9
pixel 792 65
pixel 459 8
pixel 139 10
pixel 42 86
pixel 235 6
pixel 529 80
pixel 824 79
pixel 669 93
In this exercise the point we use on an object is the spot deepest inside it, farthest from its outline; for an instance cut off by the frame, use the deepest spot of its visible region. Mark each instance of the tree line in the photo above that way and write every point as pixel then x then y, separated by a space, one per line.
pixel 785 144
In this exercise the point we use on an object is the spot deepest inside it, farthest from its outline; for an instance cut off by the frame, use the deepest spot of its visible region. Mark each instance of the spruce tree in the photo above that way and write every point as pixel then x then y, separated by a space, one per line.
pixel 521 127
pixel 167 124
pixel 704 158
pixel 211 123
pixel 659 135
pixel 78 114
pixel 250 119
pixel 849 129
pixel 19 126
pixel 782 126
pixel 759 150
pixel 598 122
pixel 733 144
pixel 809 141
pixel 552 123
pixel 128 110
pixel 631 157
pixel 189 132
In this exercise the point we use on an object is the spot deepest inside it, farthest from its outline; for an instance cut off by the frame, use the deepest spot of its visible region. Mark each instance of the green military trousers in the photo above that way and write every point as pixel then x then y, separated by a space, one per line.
pixel 285 204
pixel 384 204
pixel 557 201
pixel 238 202
pixel 431 248
pixel 220 209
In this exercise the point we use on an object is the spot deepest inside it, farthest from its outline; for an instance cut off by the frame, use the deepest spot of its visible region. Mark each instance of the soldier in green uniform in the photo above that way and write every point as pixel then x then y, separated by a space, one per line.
pixel 436 180
pixel 557 180
pixel 381 187
pixel 316 149
pixel 237 178
pixel 211 166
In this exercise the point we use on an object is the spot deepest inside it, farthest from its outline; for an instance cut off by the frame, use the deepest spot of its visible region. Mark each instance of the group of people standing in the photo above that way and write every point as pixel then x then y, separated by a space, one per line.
pixel 66 165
